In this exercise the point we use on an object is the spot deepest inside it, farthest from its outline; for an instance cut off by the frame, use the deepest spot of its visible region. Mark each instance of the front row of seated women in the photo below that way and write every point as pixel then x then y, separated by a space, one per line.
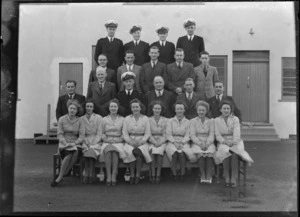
pixel 137 139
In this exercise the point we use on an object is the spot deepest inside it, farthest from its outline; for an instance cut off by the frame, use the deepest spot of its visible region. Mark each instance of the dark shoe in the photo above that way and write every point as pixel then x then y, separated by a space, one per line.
pixel 182 178
pixel 152 179
pixel 131 180
pixel 227 184
pixel 113 183
pixel 54 183
pixel 233 185
pixel 157 181
pixel 175 178
pixel 137 180
pixel 85 180
pixel 108 184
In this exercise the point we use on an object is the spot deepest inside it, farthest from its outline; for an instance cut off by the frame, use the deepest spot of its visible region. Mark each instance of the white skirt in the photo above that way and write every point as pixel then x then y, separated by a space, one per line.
pixel 157 150
pixel 119 147
pixel 239 149
pixel 171 149
pixel 210 151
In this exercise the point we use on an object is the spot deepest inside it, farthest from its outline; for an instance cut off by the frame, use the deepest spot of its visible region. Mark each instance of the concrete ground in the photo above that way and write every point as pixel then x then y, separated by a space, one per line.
pixel 271 186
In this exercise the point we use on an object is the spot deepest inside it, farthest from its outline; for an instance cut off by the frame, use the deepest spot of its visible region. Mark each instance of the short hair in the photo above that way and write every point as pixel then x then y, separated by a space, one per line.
pixel 71 81
pixel 89 101
pixel 114 100
pixel 189 79
pixel 77 104
pixel 154 47
pixel 179 102
pixel 179 50
pixel 157 102
pixel 129 51
pixel 204 52
pixel 103 54
pixel 219 82
pixel 158 76
pixel 202 103
pixel 136 100
pixel 226 102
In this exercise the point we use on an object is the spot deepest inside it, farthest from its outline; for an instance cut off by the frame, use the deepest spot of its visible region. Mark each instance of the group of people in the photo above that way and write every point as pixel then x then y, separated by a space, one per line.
pixel 148 109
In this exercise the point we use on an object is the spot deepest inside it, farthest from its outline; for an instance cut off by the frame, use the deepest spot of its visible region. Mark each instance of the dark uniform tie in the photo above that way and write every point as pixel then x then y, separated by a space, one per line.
pixel 159 94
pixel 179 66
pixel 100 87
pixel 153 64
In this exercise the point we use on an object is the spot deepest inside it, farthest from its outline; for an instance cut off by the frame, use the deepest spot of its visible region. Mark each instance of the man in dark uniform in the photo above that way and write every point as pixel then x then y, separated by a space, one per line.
pixel 111 46
pixel 128 94
pixel 215 101
pixel 166 48
pixel 139 47
pixel 111 74
pixel 61 108
pixel 192 44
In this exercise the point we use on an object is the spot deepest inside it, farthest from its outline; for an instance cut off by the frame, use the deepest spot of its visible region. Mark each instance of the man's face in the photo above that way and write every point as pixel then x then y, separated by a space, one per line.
pixel 190 29
pixel 101 76
pixel 129 58
pixel 219 88
pixel 163 37
pixel 189 86
pixel 111 31
pixel 136 35
pixel 128 84
pixel 179 56
pixel 204 59
pixel 154 54
pixel 70 88
pixel 102 61
pixel 158 84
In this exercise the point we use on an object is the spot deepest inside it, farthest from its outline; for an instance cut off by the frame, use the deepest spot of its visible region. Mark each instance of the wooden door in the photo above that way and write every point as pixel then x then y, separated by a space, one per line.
pixel 251 84
pixel 70 71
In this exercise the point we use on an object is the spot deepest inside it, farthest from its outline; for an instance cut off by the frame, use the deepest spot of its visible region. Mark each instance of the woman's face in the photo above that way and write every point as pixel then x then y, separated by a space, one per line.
pixel 156 109
pixel 226 110
pixel 201 110
pixel 179 109
pixel 72 109
pixel 89 107
pixel 135 108
pixel 113 108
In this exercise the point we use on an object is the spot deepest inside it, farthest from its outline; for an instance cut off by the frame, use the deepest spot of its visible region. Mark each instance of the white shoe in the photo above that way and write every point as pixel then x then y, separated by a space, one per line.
pixel 209 181
pixel 203 180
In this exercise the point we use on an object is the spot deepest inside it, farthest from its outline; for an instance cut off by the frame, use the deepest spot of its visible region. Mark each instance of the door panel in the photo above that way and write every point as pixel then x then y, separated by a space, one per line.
pixel 251 85
pixel 70 71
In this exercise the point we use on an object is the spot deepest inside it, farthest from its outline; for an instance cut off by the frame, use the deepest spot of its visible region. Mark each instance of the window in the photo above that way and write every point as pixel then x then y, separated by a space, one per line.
pixel 220 62
pixel 288 79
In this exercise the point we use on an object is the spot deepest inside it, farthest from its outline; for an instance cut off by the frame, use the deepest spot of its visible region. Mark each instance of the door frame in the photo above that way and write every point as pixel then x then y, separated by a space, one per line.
pixel 253 60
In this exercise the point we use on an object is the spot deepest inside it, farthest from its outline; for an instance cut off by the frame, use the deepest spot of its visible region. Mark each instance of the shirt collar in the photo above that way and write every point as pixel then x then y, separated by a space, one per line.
pixel 154 62
pixel 127 66
pixel 160 42
pixel 110 38
pixel 190 36
pixel 187 94
pixel 102 83
pixel 130 91
pixel 157 92
pixel 220 95
pixel 177 63
pixel 138 41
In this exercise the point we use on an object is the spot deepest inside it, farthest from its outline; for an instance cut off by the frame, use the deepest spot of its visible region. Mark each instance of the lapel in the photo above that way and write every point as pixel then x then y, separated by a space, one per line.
pixel 194 99
pixel 105 88
pixel 66 98
pixel 97 87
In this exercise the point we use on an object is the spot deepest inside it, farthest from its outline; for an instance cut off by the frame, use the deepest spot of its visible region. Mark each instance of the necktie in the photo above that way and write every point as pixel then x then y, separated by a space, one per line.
pixel 100 87
pixel 129 68
pixel 110 40
pixel 153 64
pixel 190 38
pixel 179 66
pixel 163 43
pixel 189 97
pixel 205 71
pixel 136 43
pixel 159 94
pixel 128 93
pixel 70 96
pixel 218 98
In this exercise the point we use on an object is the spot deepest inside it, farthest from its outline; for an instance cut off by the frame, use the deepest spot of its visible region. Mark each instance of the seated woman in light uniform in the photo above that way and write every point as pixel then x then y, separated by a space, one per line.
pixel 158 139
pixel 113 142
pixel 230 145
pixel 178 136
pixel 202 136
pixel 92 141
pixel 136 132
pixel 70 134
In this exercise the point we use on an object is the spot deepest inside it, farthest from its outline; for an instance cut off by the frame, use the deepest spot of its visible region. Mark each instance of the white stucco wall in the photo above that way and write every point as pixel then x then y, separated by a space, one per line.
pixel 53 33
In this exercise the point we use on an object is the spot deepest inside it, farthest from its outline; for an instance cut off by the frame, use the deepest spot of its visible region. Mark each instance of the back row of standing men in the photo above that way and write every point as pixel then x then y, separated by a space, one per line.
pixel 156 72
